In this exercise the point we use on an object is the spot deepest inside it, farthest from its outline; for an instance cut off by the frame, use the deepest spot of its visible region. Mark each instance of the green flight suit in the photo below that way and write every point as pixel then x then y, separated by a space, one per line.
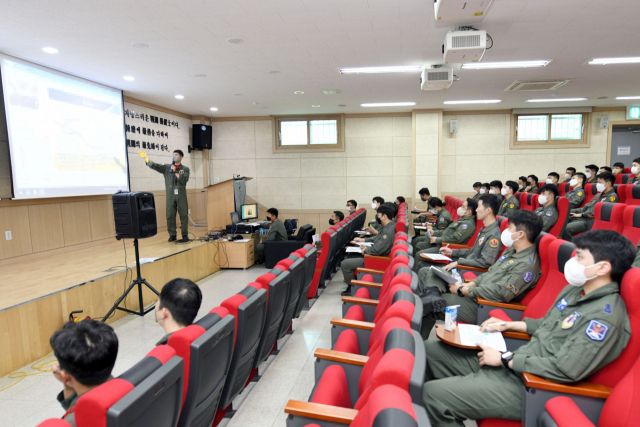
pixel 593 180
pixel 633 179
pixel 277 232
pixel 500 197
pixel 483 254
pixel 476 196
pixel 176 196
pixel 382 244
pixel 67 404
pixel 636 262
pixel 442 222
pixel 576 197
pixel 549 216
pixel 578 225
pixel 533 190
pixel 459 231
pixel 509 279
pixel 578 336
pixel 509 206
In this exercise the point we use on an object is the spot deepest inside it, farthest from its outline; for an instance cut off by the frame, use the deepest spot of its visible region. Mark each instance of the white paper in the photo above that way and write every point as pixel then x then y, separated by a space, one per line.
pixel 354 249
pixel 242 240
pixel 447 277
pixel 438 257
pixel 254 224
pixel 420 227
pixel 145 260
pixel 363 243
pixel 315 238
pixel 362 232
pixel 470 335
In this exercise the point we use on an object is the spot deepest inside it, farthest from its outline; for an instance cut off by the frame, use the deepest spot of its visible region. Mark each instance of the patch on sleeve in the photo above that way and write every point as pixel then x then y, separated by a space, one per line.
pixel 607 308
pixel 441 219
pixel 465 226
pixel 181 171
pixel 562 304
pixel 528 276
pixel 502 258
pixel 549 213
pixel 513 289
pixel 481 240
pixel 579 193
pixel 511 206
pixel 570 320
pixel 384 236
pixel 612 198
pixel 597 331
pixel 493 243
pixel 540 212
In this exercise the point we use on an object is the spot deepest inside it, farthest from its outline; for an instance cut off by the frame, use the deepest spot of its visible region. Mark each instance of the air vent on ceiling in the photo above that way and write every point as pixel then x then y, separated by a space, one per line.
pixel 437 76
pixel 471 40
pixel 524 85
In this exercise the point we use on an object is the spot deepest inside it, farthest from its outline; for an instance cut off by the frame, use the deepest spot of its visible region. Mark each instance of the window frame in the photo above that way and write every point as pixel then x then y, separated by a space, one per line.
pixel 584 142
pixel 316 148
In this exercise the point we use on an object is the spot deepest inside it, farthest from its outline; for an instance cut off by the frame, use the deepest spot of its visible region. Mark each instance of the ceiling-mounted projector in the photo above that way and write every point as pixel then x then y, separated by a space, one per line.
pixel 464 46
pixel 451 13
pixel 436 78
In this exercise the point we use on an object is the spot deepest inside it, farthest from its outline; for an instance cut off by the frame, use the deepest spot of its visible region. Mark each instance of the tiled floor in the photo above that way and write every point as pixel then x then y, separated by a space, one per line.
pixel 289 376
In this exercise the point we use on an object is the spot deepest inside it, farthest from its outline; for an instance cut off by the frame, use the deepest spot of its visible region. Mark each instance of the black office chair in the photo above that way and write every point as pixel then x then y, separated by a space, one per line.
pixel 275 251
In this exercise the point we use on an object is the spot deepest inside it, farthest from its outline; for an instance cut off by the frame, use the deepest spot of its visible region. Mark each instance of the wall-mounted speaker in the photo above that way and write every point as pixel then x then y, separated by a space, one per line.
pixel 604 122
pixel 453 126
pixel 201 137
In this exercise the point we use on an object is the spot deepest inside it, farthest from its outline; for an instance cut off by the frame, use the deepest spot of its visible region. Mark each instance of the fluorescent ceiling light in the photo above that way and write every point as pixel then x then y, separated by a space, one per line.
pixel 393 69
pixel 213 109
pixel 129 78
pixel 557 100
pixel 388 104
pixel 628 97
pixel 509 64
pixel 50 50
pixel 179 96
pixel 475 101
pixel 605 61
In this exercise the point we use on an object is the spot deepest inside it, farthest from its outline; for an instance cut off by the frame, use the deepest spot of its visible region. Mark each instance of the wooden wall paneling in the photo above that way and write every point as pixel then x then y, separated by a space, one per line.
pixel 101 219
pixel 16 219
pixel 6 358
pixel 75 223
pixel 201 207
pixel 45 222
pixel 161 210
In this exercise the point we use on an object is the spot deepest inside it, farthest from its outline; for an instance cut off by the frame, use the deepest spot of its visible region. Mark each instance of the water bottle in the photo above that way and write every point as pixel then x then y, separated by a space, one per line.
pixel 456 275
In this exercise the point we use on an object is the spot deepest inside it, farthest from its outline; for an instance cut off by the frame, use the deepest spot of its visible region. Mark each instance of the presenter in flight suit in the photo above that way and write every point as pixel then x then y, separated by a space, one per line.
pixel 176 176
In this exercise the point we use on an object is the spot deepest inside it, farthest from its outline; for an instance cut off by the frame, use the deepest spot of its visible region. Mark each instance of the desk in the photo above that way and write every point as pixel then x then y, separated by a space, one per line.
pixel 452 338
pixel 236 254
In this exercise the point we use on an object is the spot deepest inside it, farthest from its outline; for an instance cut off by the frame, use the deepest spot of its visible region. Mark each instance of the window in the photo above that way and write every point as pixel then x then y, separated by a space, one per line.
pixel 550 130
pixel 302 133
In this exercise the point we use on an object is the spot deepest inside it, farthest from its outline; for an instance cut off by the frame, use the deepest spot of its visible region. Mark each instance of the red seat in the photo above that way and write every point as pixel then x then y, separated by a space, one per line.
pixel 621 191
pixel 589 192
pixel 633 195
pixel 626 170
pixel 390 406
pixel 631 224
pixel 563 188
pixel 608 216
pixel 529 202
pixel 360 289
pixel 562 204
pixel 54 422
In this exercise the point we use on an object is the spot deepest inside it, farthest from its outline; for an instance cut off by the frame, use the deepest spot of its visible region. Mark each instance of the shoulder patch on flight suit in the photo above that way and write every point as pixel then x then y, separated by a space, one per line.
pixel 607 308
pixel 562 304
pixel 579 193
pixel 181 172
pixel 507 265
pixel 441 219
pixel 570 320
pixel 549 213
pixel 540 213
pixel 597 331
pixel 481 240
pixel 612 198
pixel 465 226
pixel 384 236
pixel 528 276
pixel 513 289
pixel 511 206
pixel 493 243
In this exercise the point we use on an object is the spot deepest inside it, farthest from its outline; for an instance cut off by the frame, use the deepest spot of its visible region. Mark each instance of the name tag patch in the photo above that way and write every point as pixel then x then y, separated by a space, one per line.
pixel 597 331
pixel 507 264
pixel 562 304
pixel 513 289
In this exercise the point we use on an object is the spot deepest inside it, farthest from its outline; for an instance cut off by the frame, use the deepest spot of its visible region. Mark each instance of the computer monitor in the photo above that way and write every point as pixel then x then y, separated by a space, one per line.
pixel 249 212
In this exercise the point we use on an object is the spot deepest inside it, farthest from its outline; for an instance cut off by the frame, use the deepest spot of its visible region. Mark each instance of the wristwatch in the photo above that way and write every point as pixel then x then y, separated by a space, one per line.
pixel 460 291
pixel 506 358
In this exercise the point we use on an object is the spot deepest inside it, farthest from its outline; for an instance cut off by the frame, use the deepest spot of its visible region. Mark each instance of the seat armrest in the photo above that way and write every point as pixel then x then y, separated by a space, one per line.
pixel 589 216
pixel 580 388
pixel 368 271
pixel 367 284
pixel 347 323
pixel 470 268
pixel 385 258
pixel 456 245
pixel 517 335
pixel 340 356
pixel 363 301
pixel 508 305
pixel 321 412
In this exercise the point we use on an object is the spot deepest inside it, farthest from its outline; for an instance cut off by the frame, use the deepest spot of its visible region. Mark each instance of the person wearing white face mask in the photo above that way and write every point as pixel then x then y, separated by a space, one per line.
pixel 510 204
pixel 591 172
pixel 548 211
pixel 374 227
pixel 476 190
pixel 352 206
pixel 606 193
pixel 485 188
pixel 442 221
pixel 634 178
pixel 522 183
pixel 585 329
pixel 576 195
pixel 495 187
pixel 553 178
pixel 568 174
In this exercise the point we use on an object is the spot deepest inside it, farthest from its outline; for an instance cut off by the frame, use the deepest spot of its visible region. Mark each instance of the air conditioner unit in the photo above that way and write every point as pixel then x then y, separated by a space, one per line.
pixel 451 13
pixel 464 46
pixel 436 78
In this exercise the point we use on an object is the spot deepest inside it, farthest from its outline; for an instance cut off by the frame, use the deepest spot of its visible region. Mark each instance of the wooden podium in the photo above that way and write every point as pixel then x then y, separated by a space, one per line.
pixel 220 203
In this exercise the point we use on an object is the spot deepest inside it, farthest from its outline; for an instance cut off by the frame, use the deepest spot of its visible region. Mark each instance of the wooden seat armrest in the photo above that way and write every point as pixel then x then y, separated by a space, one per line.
pixel 468 280
pixel 456 245
pixel 470 268
pixel 509 305
pixel 321 412
pixel 368 271
pixel 340 356
pixel 377 257
pixel 363 301
pixel 589 216
pixel 517 335
pixel 367 284
pixel 580 388
pixel 348 323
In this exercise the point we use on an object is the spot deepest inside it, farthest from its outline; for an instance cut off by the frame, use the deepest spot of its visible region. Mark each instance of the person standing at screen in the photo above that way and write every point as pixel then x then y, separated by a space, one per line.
pixel 176 176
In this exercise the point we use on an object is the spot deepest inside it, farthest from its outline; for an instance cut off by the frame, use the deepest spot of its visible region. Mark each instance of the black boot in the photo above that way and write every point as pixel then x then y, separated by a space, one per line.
pixel 347 292
pixel 432 301
pixel 172 238
pixel 185 239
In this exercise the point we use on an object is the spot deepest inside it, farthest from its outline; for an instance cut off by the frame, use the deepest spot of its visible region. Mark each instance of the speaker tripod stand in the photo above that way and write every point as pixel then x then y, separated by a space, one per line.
pixel 138 281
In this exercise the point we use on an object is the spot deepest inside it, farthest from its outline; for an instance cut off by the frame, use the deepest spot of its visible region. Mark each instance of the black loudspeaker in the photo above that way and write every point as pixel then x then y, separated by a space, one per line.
pixel 134 215
pixel 202 137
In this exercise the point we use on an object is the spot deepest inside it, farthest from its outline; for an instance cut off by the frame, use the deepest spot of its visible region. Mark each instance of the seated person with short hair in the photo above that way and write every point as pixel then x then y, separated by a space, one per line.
pixel 591 172
pixel 336 217
pixel 399 200
pixel 553 178
pixel 382 244
pixel 618 168
pixel 605 169
pixel 606 193
pixel 374 228
pixel 509 279
pixel 510 203
pixel 548 211
pixel 425 195
pixel 485 188
pixel 495 187
pixel 532 185
pixel 634 178
pixel 584 330
pixel 459 231
pixel 576 195
pixel 568 174
pixel 177 306
pixel 86 353
pixel 277 232
pixel 476 190
pixel 522 183
pixel 443 219
pixel 352 206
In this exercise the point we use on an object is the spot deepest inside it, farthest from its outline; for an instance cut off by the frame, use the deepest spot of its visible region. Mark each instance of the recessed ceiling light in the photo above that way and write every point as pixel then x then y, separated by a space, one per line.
pixel 140 45
pixel 298 92
pixel 331 92
pixel 392 69
pixel 274 72
pixel 179 96
pixel 213 109
pixel 199 75
pixel 129 78
pixel 50 50
pixel 315 106
pixel 474 101
pixel 342 105
pixel 388 104
pixel 237 94
pixel 508 64
pixel 627 97
pixel 605 61
pixel 602 97
pixel 557 100
pixel 235 41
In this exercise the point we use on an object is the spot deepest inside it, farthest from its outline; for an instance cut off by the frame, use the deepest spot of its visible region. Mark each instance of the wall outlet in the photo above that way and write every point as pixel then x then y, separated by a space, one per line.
pixel 216 179
pixel 7 235
pixel 189 211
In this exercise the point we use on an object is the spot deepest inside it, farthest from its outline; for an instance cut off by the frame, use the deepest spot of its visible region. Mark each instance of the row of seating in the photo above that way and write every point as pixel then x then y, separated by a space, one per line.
pixel 192 381
pixel 627 193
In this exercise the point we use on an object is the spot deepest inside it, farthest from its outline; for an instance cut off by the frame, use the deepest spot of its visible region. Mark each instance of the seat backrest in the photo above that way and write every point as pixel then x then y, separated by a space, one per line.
pixel 564 188
pixel 608 216
pixel 562 204
pixel 151 391
pixel 631 224
pixel 633 195
pixel 589 191
pixel 54 422
pixel 310 262
pixel 474 236
pixel 621 191
pixel 621 408
pixel 387 405
pixel 308 235
pixel 295 267
pixel 301 232
pixel 320 272
pixel 206 348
